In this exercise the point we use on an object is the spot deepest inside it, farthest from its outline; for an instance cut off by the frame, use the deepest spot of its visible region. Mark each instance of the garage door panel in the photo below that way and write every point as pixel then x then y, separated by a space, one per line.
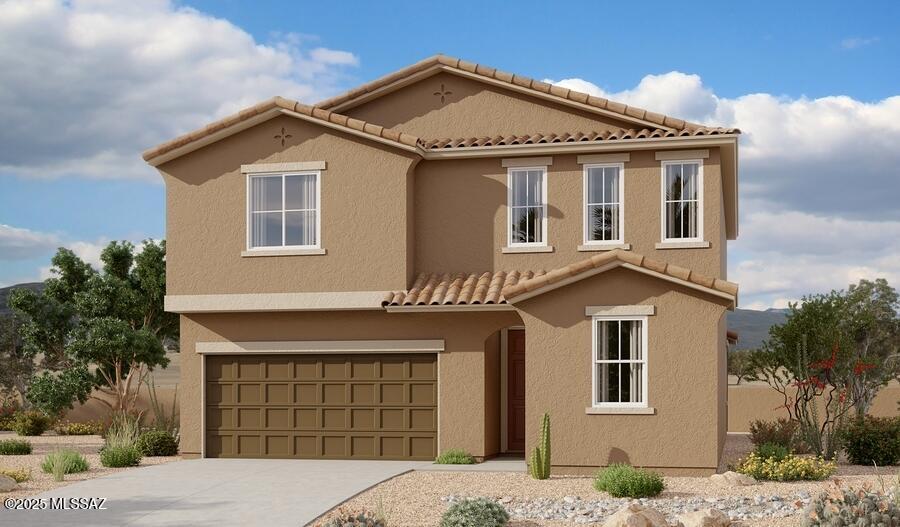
pixel 328 406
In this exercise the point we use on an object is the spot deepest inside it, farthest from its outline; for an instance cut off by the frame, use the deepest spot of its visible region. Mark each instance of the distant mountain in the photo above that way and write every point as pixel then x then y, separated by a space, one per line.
pixel 4 294
pixel 752 326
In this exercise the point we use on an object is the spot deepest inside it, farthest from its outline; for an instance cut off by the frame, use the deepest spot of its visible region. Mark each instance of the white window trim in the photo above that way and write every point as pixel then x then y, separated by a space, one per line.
pixel 662 206
pixel 509 199
pixel 644 340
pixel 620 241
pixel 295 249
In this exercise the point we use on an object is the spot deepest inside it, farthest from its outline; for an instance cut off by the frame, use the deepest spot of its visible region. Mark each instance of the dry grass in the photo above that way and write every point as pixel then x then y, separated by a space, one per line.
pixel 40 482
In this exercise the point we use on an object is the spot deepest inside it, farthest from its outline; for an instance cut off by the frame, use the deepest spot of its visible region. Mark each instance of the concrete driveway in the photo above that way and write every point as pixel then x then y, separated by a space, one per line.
pixel 216 492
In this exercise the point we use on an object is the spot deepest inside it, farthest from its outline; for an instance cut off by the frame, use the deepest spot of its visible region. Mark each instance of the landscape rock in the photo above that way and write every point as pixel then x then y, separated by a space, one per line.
pixel 7 484
pixel 705 518
pixel 634 515
pixel 732 479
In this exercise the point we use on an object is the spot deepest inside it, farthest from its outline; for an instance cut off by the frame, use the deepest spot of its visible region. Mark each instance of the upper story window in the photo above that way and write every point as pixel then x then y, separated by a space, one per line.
pixel 603 207
pixel 682 200
pixel 620 361
pixel 527 206
pixel 283 211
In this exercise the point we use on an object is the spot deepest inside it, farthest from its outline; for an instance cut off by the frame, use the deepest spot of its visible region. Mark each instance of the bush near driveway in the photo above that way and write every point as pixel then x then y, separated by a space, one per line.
pixel 625 481
pixel 358 519
pixel 479 512
pixel 18 475
pixel 89 428
pixel 14 447
pixel 66 460
pixel 455 456
pixel 157 443
pixel 120 456
pixel 873 440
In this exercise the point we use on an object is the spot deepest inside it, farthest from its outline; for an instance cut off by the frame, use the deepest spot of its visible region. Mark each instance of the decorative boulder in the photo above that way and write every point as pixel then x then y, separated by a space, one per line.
pixel 7 484
pixel 705 518
pixel 732 479
pixel 634 515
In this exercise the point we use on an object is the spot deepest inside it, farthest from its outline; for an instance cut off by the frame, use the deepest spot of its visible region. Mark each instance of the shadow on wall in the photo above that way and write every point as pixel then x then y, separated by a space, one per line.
pixel 93 410
pixel 617 455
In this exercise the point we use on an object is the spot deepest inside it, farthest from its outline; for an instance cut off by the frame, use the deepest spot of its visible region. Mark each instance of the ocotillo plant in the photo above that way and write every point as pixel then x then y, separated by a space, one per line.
pixel 540 455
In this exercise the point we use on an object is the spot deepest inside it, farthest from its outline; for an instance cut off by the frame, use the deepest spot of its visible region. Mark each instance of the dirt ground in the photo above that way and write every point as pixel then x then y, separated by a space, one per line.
pixel 414 499
pixel 42 445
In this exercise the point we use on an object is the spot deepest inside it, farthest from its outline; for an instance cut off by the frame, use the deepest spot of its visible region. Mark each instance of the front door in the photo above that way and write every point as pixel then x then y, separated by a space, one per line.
pixel 515 396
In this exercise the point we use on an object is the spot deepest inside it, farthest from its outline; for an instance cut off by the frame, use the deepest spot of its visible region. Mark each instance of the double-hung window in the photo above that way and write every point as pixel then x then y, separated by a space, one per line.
pixel 619 361
pixel 284 211
pixel 527 206
pixel 603 198
pixel 682 201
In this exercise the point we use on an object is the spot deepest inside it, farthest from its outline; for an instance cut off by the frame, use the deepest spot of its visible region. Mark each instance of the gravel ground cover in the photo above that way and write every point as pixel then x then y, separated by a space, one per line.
pixel 42 445
pixel 420 498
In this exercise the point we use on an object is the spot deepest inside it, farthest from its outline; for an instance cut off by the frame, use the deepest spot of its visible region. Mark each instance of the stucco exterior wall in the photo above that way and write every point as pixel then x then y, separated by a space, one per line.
pixel 469 338
pixel 364 213
pixel 474 109
pixel 683 361
pixel 461 215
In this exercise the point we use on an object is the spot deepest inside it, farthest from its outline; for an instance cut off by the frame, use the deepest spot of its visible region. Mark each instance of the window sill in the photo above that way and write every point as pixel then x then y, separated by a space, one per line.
pixel 528 249
pixel 619 410
pixel 682 245
pixel 604 247
pixel 282 252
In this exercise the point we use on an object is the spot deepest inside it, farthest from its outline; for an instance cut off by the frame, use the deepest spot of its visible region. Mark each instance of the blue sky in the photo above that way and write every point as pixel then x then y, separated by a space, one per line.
pixel 814 85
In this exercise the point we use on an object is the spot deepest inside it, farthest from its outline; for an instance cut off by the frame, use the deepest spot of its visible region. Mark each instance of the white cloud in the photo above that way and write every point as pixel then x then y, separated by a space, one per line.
pixel 88 85
pixel 819 183
pixel 21 244
pixel 858 42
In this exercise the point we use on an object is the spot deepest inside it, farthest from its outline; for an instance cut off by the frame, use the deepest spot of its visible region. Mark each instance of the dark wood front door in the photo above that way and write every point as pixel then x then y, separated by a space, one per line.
pixel 515 396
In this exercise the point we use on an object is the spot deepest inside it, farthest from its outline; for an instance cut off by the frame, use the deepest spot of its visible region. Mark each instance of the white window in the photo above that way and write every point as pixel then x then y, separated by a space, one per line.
pixel 620 361
pixel 682 210
pixel 603 204
pixel 283 211
pixel 527 218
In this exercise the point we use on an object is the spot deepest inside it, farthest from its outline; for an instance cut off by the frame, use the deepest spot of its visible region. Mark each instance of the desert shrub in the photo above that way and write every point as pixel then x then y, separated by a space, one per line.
pixel 455 456
pixel 18 475
pixel 772 451
pixel 356 519
pixel 88 428
pixel 31 423
pixel 66 460
pixel 14 447
pixel 478 512
pixel 7 417
pixel 157 443
pixel 848 506
pixel 873 440
pixel 123 431
pixel 625 481
pixel 780 432
pixel 120 456
pixel 790 468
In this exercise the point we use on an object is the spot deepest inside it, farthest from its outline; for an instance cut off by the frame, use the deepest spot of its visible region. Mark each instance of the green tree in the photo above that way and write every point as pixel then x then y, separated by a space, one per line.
pixel 18 365
pixel 108 330
pixel 739 365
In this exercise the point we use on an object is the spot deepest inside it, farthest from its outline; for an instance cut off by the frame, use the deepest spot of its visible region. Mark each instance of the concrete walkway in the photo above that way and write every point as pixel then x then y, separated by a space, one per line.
pixel 215 492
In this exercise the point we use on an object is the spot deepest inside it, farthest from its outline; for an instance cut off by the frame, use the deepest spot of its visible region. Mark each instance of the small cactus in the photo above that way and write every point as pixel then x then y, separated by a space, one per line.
pixel 540 455
pixel 862 507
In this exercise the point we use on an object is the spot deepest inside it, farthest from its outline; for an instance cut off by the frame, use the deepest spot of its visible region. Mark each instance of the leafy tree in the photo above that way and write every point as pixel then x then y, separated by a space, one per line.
pixel 740 366
pixel 17 365
pixel 108 327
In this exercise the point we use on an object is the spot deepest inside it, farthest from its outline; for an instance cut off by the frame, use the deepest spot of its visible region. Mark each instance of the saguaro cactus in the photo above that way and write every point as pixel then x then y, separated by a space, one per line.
pixel 540 455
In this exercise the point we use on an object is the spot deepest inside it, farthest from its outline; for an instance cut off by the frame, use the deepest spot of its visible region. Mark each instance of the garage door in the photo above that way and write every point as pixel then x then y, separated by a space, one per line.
pixel 322 406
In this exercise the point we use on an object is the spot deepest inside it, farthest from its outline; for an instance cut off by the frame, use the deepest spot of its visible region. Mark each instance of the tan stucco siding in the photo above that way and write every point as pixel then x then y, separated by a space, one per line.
pixel 468 339
pixel 364 215
pixel 475 109
pixel 461 215
pixel 683 376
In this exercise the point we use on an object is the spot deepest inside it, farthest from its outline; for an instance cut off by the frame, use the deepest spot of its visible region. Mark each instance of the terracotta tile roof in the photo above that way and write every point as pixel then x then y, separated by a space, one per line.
pixel 320 114
pixel 578 137
pixel 565 274
pixel 509 78
pixel 437 289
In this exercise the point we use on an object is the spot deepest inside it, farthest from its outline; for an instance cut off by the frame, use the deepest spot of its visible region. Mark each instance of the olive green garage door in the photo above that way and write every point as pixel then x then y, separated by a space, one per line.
pixel 322 406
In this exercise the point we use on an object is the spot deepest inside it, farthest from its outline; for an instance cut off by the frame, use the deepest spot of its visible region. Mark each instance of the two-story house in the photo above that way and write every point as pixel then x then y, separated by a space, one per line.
pixel 436 258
